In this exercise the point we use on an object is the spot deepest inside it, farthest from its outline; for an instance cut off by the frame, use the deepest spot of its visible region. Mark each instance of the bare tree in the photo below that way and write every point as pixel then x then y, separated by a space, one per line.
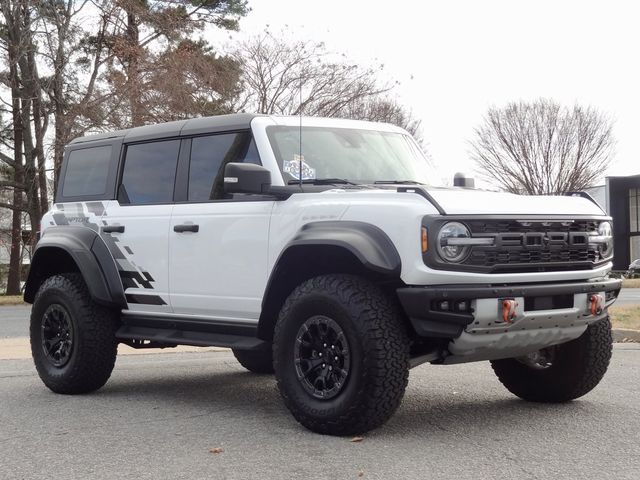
pixel 287 77
pixel 542 147
pixel 388 110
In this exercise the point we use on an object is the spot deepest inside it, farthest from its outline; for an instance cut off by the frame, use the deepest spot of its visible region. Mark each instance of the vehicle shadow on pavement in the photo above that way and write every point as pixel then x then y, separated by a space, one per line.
pixel 424 412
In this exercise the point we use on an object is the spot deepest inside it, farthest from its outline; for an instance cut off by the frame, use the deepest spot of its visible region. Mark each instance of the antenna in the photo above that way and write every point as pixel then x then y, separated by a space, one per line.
pixel 300 132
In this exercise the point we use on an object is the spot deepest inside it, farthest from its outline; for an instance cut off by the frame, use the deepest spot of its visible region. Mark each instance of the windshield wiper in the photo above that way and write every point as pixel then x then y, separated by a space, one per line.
pixel 397 182
pixel 323 181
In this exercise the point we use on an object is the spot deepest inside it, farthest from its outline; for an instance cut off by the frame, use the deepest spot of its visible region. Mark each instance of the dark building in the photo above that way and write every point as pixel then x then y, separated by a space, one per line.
pixel 620 197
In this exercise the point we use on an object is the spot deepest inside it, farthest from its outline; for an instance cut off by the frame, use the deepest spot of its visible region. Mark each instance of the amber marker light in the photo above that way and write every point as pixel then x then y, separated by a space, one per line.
pixel 423 240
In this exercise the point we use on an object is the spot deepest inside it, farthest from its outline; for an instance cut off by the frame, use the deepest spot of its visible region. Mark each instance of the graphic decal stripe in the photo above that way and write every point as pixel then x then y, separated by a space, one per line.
pixel 137 277
pixel 91 215
pixel 145 299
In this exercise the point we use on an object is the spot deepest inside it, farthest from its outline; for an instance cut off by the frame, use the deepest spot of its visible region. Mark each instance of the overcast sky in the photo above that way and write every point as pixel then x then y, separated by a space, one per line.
pixel 457 58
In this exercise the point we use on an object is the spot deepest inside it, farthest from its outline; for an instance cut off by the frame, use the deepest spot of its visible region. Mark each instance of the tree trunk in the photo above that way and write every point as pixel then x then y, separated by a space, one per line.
pixel 15 257
pixel 133 70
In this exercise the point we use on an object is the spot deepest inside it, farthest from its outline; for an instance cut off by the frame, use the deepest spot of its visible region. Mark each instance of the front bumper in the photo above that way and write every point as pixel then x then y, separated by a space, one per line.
pixel 481 306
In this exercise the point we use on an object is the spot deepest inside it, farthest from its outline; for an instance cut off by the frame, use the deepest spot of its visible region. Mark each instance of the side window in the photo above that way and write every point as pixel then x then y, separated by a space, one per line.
pixel 87 172
pixel 149 172
pixel 209 155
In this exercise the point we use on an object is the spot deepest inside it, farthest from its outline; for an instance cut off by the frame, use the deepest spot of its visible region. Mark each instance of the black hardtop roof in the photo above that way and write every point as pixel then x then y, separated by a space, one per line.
pixel 193 126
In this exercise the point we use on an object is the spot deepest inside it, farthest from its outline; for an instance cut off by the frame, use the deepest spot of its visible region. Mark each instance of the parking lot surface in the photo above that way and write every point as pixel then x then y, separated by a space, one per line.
pixel 160 415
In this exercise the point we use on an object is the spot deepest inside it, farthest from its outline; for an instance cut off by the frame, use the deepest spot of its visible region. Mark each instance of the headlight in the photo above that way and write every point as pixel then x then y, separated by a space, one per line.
pixel 605 234
pixel 451 244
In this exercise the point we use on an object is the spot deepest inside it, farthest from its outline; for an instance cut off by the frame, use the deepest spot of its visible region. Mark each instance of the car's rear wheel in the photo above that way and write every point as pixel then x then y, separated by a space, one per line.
pixel 258 361
pixel 73 339
pixel 341 355
pixel 562 372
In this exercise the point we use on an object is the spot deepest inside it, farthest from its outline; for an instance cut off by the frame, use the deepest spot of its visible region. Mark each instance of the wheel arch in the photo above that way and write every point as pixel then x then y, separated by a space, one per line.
pixel 76 249
pixel 330 247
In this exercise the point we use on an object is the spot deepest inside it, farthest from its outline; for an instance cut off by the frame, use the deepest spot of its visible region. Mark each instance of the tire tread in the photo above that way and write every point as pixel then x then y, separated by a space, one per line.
pixel 386 365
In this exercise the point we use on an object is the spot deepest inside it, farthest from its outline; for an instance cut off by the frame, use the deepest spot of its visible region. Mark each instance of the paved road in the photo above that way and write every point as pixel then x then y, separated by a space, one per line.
pixel 629 296
pixel 159 416
pixel 14 320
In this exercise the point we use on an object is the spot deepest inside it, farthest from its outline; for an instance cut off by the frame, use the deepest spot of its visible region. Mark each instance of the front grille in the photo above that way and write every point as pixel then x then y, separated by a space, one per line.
pixel 533 245
pixel 525 226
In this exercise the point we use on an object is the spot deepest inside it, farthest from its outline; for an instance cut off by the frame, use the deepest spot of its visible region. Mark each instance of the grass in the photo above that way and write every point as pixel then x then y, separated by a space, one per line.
pixel 11 300
pixel 627 316
pixel 631 283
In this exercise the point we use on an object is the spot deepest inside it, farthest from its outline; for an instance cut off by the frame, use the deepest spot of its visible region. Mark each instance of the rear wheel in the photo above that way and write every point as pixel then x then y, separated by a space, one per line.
pixel 73 339
pixel 562 372
pixel 259 361
pixel 341 355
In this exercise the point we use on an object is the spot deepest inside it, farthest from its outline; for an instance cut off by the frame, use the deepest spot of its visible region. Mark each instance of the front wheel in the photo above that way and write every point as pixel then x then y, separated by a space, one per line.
pixel 341 355
pixel 562 372
pixel 73 340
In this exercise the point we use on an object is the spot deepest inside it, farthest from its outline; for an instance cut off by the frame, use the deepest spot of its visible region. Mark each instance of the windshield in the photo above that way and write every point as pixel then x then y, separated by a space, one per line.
pixel 354 155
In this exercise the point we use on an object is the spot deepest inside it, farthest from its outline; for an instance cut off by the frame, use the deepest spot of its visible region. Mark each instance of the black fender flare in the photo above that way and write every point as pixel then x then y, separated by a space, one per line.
pixel 90 254
pixel 367 243
pixel 370 245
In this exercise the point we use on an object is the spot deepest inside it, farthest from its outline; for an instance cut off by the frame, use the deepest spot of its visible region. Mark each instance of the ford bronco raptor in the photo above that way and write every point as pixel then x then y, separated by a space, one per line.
pixel 318 249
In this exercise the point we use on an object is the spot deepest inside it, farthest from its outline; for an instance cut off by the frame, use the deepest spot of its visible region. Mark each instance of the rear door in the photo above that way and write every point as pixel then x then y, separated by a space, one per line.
pixel 217 244
pixel 136 225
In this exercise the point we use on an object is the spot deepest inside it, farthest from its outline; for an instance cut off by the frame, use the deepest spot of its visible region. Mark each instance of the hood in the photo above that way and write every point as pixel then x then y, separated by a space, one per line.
pixel 462 201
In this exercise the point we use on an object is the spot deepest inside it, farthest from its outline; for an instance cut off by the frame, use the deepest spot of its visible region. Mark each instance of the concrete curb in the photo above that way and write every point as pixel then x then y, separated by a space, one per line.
pixel 623 335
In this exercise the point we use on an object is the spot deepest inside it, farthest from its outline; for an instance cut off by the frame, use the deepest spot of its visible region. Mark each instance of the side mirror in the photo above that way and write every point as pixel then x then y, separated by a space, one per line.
pixel 461 180
pixel 246 178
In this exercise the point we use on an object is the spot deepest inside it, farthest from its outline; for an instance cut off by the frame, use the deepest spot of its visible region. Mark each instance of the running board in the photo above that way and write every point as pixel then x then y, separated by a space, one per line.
pixel 168 336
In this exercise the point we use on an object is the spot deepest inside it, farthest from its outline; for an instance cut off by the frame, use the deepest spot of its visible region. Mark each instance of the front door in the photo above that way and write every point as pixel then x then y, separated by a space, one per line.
pixel 218 245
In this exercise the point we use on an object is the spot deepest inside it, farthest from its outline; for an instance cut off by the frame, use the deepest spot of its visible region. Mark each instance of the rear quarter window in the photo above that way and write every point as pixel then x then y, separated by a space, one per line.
pixel 87 172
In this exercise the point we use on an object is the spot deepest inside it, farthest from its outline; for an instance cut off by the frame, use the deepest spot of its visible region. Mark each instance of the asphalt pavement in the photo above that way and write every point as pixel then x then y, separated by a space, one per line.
pixel 629 296
pixel 160 416
pixel 14 321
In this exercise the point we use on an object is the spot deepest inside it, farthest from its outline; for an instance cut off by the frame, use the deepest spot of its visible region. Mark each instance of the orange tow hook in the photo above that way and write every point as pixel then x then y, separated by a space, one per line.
pixel 508 310
pixel 596 303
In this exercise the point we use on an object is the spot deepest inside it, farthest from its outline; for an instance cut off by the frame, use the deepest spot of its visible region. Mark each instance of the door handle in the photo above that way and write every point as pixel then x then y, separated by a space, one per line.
pixel 113 229
pixel 187 227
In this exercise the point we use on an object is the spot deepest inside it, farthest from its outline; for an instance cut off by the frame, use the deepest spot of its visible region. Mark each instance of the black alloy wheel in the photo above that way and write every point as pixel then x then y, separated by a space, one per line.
pixel 321 357
pixel 57 335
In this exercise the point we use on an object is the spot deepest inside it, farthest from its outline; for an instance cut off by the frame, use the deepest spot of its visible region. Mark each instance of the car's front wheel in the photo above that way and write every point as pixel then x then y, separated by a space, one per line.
pixel 341 355
pixel 562 372
pixel 73 339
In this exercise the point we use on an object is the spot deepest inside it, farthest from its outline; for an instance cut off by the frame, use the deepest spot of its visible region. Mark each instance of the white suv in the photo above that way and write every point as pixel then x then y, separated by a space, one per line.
pixel 315 248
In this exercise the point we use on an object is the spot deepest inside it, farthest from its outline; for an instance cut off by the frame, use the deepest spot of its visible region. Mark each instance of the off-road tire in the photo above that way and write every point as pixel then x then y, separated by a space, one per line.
pixel 379 353
pixel 258 361
pixel 578 367
pixel 94 347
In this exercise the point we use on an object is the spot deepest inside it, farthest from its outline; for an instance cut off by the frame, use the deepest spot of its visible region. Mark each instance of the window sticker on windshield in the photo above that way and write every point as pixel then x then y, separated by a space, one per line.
pixel 293 168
